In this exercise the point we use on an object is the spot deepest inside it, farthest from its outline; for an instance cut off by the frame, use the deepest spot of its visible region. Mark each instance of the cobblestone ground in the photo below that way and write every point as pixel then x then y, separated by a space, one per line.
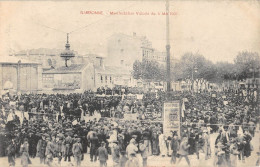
pixel 153 161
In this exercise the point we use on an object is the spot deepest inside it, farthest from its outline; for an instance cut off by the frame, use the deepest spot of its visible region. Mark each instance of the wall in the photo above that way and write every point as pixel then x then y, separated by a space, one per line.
pixel 124 47
pixel 107 80
pixel 28 76
pixel 8 73
pixel 88 78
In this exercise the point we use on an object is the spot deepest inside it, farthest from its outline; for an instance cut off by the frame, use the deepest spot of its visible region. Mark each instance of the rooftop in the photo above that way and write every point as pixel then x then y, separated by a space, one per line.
pixel 112 70
pixel 41 51
pixel 14 60
pixel 74 68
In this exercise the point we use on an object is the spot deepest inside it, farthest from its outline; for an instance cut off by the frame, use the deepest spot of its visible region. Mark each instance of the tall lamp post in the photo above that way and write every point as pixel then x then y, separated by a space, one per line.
pixel 168 47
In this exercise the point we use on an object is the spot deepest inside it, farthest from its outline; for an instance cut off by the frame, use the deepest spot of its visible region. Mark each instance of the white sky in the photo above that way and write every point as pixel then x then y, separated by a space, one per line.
pixel 217 29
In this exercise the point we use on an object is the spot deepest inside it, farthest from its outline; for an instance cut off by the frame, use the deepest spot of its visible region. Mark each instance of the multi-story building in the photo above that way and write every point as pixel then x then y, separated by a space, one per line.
pixel 110 76
pixel 123 49
pixel 154 55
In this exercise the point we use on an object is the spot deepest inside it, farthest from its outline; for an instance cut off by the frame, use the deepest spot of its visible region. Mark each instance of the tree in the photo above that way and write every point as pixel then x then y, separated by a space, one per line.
pixel 149 70
pixel 137 69
pixel 196 64
pixel 225 71
pixel 245 61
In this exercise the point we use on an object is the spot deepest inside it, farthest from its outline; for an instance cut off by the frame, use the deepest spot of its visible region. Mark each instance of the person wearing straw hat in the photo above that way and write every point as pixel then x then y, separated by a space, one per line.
pixel 102 154
pixel 131 148
pixel 77 152
pixel 115 153
pixel 143 147
pixel 24 151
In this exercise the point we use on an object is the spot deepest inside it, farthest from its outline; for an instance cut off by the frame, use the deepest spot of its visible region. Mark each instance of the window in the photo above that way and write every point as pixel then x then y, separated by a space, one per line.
pixel 48 78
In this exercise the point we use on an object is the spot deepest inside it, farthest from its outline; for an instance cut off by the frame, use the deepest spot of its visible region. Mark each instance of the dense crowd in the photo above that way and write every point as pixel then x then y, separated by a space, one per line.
pixel 58 127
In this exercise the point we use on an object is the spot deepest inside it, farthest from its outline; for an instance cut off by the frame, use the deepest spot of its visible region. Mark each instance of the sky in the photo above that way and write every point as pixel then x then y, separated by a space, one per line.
pixel 217 30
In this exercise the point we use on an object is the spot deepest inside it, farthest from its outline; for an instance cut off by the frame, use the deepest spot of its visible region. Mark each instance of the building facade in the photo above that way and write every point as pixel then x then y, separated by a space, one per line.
pixel 110 76
pixel 20 75
pixel 123 50
pixel 75 78
pixel 49 58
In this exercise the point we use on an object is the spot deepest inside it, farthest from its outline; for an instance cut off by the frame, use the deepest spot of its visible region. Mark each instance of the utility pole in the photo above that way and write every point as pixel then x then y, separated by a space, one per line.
pixel 168 47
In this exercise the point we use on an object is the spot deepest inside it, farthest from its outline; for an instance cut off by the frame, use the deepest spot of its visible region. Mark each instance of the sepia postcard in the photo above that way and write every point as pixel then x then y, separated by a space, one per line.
pixel 129 83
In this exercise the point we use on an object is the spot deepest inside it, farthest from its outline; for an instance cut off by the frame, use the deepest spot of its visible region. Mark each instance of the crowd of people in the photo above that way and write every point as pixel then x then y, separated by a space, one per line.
pixel 57 127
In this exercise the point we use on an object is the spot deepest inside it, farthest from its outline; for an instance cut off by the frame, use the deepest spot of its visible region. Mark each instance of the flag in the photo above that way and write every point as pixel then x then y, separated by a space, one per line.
pixel 182 108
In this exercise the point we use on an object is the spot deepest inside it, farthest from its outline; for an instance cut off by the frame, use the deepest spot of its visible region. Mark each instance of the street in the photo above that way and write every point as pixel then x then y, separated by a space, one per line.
pixel 153 161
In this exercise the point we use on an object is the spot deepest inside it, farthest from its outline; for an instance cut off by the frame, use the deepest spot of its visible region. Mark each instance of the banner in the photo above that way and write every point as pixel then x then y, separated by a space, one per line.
pixel 132 117
pixel 171 118
pixel 139 96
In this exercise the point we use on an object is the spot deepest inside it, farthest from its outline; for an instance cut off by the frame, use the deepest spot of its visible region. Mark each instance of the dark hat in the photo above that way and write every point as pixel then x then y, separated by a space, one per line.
pixel 174 133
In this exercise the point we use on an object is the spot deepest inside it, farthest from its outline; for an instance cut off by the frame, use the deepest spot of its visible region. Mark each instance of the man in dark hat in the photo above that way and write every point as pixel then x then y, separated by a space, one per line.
pixel 123 159
pixel 11 149
pixel 41 147
pixel 68 147
pixel 32 139
pixel 49 152
pixel 174 146
pixel 58 147
pixel 93 146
